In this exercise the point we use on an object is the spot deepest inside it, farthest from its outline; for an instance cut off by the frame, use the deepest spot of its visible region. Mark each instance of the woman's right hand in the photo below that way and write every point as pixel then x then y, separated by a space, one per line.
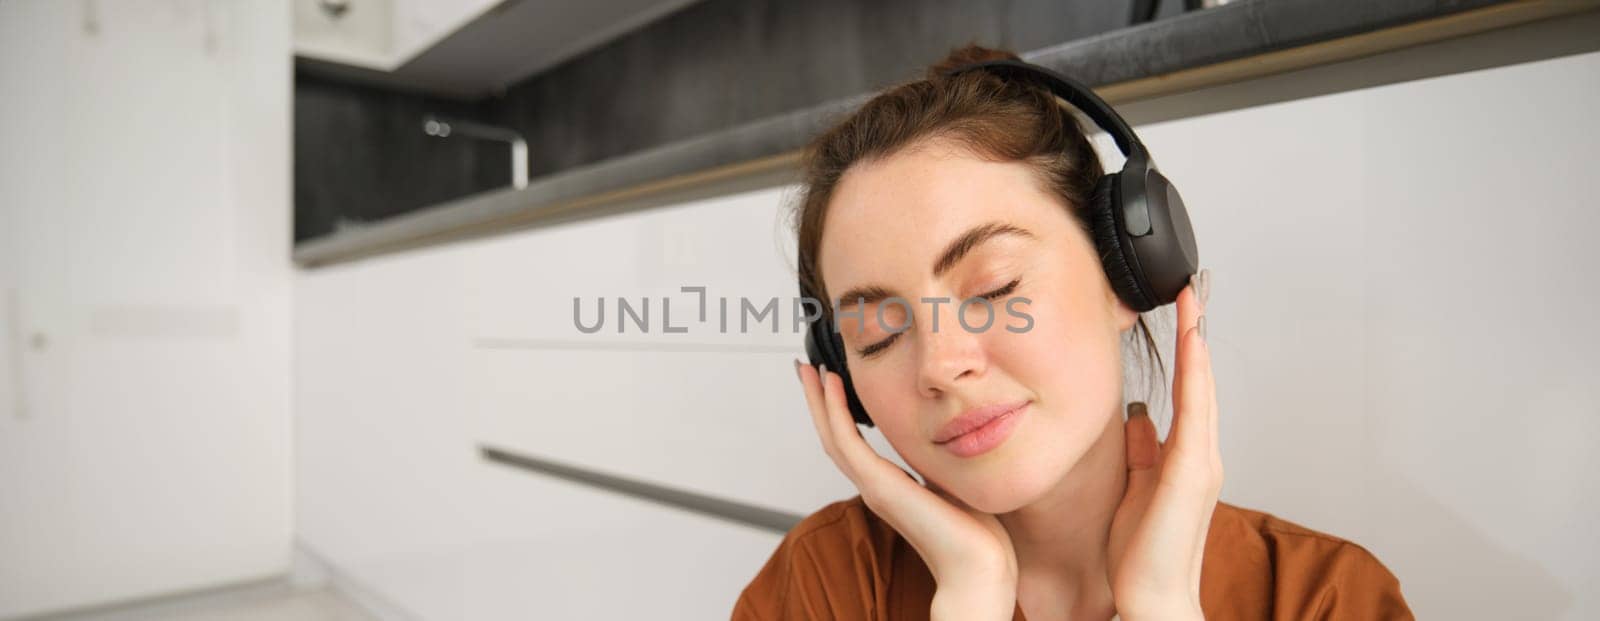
pixel 968 552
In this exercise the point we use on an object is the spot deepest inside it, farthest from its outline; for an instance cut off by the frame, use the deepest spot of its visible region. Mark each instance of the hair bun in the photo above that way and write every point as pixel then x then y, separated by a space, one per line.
pixel 966 55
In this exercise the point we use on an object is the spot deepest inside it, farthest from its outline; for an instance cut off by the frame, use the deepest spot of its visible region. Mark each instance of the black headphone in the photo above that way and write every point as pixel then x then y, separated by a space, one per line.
pixel 1140 226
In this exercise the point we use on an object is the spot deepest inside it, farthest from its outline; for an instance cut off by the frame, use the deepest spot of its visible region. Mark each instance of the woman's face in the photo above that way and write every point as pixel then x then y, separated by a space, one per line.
pixel 890 223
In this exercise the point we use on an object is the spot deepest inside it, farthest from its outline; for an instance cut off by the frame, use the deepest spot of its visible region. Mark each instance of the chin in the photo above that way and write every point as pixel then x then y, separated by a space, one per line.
pixel 1018 478
pixel 1020 472
pixel 1010 493
pixel 1000 501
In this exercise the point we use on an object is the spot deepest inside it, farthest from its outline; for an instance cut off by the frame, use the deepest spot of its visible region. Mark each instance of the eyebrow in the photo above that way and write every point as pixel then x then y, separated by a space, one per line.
pixel 953 253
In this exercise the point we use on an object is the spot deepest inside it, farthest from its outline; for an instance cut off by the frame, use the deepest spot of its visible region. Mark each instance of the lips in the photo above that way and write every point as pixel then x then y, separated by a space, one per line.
pixel 974 419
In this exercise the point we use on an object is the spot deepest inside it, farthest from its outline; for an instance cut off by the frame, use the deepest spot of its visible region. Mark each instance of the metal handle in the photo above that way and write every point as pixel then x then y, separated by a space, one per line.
pixel 444 128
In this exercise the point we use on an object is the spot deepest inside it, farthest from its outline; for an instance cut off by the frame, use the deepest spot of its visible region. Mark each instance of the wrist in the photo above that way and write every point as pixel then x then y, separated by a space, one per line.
pixel 962 602
pixel 974 595
pixel 1163 610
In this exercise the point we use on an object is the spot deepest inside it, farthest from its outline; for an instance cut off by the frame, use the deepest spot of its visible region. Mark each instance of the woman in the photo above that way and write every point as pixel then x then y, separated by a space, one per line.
pixel 1057 507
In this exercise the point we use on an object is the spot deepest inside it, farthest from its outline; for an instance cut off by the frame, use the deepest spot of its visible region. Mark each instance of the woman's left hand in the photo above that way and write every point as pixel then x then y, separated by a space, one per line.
pixel 1158 534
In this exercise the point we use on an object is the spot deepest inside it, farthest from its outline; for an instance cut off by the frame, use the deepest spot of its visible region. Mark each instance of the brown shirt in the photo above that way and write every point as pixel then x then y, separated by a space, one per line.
pixel 845 563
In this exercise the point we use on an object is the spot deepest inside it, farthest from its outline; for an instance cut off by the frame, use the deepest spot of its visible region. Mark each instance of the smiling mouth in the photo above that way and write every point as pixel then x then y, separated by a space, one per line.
pixel 975 419
pixel 982 430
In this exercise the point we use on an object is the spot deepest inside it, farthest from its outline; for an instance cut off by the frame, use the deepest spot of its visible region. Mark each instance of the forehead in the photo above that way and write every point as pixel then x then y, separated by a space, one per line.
pixel 890 217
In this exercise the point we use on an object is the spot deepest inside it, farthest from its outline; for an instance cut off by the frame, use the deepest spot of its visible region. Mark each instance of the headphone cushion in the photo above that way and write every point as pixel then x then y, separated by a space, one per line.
pixel 852 400
pixel 1107 233
pixel 824 346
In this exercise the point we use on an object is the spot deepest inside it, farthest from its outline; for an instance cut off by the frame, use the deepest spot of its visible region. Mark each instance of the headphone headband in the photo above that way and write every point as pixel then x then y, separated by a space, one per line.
pixel 1080 96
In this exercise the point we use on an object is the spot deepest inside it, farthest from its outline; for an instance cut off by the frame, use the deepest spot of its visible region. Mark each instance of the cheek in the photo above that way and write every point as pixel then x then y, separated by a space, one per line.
pixel 1070 357
pixel 889 392
pixel 887 389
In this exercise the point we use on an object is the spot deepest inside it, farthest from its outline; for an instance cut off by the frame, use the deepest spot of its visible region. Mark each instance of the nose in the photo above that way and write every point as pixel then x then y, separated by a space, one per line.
pixel 951 355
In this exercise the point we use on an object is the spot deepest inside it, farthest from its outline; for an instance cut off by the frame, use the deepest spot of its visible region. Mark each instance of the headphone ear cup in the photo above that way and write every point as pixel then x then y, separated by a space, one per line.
pixel 824 346
pixel 857 411
pixel 1106 221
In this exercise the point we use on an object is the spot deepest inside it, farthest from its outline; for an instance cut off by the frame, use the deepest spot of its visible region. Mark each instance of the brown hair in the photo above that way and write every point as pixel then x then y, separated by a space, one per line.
pixel 996 119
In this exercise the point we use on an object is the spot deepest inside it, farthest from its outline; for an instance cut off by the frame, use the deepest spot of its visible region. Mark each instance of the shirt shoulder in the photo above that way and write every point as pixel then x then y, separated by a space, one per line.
pixel 834 564
pixel 1259 566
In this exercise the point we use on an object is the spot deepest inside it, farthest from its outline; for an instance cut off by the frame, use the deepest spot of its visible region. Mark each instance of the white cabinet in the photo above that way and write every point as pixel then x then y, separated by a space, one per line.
pixel 377 34
pixel 144 235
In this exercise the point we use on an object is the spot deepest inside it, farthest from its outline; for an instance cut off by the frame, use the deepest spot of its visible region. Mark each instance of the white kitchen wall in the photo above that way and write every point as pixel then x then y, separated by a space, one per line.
pixel 144 360
pixel 1402 327
pixel 1399 320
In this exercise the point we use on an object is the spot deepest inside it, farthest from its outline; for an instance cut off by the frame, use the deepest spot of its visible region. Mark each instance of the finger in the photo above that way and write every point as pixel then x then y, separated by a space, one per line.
pixel 1209 400
pixel 811 385
pixel 1143 449
pixel 1213 459
pixel 1192 426
pixel 1199 394
pixel 846 435
pixel 1189 382
pixel 1201 282
pixel 1204 393
pixel 1203 441
pixel 1144 469
pixel 1216 412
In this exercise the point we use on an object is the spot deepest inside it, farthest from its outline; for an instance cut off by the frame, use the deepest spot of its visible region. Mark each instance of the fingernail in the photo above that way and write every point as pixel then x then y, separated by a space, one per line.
pixel 797 367
pixel 1202 285
pixel 1137 408
pixel 824 370
pixel 1202 326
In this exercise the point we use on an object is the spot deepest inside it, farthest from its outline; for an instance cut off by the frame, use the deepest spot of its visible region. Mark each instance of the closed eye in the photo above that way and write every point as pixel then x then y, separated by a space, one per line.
pixel 873 349
pixel 878 347
pixel 1003 291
